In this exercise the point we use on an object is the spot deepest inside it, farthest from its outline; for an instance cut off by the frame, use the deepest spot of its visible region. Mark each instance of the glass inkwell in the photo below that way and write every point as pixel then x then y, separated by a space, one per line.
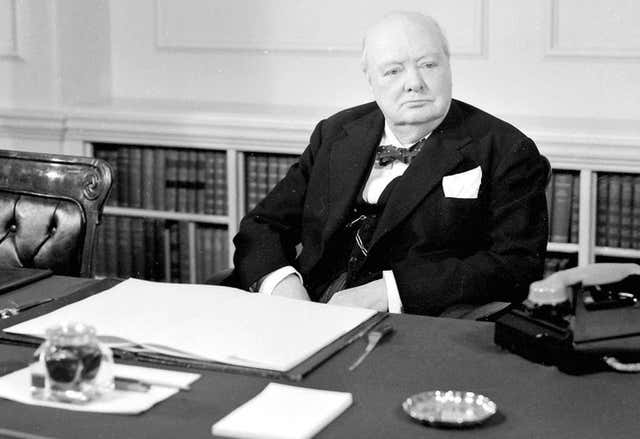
pixel 71 365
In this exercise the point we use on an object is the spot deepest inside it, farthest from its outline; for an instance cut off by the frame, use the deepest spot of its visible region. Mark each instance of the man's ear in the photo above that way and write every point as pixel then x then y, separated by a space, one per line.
pixel 368 76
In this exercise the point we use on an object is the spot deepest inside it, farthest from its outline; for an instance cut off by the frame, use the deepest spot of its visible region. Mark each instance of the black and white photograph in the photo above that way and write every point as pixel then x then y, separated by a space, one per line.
pixel 290 219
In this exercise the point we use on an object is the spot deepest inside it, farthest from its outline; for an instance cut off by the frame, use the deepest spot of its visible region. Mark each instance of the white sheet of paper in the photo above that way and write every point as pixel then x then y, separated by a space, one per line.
pixel 283 412
pixel 210 322
pixel 16 386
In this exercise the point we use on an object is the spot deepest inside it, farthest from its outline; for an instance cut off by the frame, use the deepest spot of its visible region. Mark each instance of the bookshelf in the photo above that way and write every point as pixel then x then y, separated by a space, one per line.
pixel 244 134
pixel 608 216
pixel 179 211
pixel 167 216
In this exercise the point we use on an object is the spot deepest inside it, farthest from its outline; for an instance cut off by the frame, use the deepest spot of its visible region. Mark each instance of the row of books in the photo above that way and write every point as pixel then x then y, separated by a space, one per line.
pixel 557 262
pixel 563 204
pixel 262 173
pixel 159 250
pixel 618 210
pixel 169 179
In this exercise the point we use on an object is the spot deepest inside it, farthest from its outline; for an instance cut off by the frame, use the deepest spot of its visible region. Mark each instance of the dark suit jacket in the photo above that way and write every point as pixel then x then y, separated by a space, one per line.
pixel 443 251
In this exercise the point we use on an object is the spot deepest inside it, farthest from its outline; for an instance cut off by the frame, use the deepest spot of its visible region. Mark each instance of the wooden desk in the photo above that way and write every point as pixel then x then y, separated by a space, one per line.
pixel 534 401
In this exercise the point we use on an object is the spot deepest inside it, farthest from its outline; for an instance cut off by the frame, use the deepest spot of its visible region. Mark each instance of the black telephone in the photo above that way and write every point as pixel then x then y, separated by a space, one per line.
pixel 577 328
pixel 613 295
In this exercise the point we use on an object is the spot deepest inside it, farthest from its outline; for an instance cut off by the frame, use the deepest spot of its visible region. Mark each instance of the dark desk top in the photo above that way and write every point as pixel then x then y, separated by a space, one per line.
pixel 533 401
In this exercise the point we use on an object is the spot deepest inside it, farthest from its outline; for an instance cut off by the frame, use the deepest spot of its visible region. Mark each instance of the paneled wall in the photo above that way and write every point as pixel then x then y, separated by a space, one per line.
pixel 553 59
pixel 568 58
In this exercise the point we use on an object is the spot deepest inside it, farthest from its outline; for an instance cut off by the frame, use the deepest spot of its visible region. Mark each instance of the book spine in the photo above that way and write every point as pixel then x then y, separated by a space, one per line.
pixel 549 196
pixel 284 164
pixel 148 178
pixel 199 253
pixel 172 180
pixel 161 256
pixel 110 245
pixel 602 207
pixel 135 177
pixel 122 177
pixel 224 253
pixel 183 178
pixel 125 261
pixel 159 178
pixel 192 181
pixel 220 186
pixel 150 249
pixel 184 250
pixel 174 252
pixel 561 207
pixel 613 217
pixel 273 170
pixel 208 253
pixel 626 201
pixel 138 251
pixel 262 177
pixel 218 250
pixel 201 177
pixel 210 183
pixel 635 212
pixel 574 229
pixel 251 181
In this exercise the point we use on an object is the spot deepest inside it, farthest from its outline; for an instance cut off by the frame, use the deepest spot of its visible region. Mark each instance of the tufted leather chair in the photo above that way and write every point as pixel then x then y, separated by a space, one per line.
pixel 50 207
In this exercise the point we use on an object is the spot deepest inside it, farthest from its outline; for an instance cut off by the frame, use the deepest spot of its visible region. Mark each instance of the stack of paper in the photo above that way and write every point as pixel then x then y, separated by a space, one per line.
pixel 283 412
pixel 208 322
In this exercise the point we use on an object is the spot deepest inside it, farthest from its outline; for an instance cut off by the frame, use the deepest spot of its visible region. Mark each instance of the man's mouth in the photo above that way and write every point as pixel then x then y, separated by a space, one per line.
pixel 417 102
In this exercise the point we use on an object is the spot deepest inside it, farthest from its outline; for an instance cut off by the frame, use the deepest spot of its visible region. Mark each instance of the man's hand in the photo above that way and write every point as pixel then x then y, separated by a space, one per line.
pixel 372 295
pixel 291 287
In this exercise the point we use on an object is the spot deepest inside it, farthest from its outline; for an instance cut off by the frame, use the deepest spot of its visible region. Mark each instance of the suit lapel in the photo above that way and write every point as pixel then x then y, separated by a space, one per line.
pixel 438 157
pixel 350 159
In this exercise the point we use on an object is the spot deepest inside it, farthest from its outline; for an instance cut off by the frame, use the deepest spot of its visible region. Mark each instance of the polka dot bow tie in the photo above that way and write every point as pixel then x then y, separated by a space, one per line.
pixel 386 154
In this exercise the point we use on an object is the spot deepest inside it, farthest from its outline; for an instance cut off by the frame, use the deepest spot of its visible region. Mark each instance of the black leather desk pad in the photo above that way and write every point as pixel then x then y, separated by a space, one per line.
pixel 12 278
pixel 533 401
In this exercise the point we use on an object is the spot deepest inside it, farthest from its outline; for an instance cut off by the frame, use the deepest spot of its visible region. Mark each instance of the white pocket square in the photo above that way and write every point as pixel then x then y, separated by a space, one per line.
pixel 463 185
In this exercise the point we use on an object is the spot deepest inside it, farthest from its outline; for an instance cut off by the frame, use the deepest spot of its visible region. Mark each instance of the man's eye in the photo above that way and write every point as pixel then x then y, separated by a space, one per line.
pixel 391 72
pixel 429 65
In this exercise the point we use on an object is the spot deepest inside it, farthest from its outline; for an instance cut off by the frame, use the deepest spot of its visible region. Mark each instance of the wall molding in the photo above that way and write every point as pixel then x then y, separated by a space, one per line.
pixel 9 38
pixel 569 144
pixel 555 50
pixel 32 124
pixel 166 42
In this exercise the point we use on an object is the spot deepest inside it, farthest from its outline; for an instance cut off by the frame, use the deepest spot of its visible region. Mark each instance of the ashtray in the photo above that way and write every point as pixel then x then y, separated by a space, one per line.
pixel 449 408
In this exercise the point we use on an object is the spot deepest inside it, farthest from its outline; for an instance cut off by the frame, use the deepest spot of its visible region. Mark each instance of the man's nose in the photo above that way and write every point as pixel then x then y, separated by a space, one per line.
pixel 414 81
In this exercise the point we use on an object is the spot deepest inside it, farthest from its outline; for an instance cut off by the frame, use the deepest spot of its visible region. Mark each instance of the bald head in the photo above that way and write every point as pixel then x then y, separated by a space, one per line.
pixel 406 22
pixel 406 62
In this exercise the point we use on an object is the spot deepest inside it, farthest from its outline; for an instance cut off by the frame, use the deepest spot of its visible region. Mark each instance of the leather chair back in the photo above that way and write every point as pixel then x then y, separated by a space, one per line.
pixel 50 207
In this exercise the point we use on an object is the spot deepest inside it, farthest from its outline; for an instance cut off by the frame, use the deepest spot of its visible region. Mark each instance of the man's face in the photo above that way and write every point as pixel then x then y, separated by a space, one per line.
pixel 409 73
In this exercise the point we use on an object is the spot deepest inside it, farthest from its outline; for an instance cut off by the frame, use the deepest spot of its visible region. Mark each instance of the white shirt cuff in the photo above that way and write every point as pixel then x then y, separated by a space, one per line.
pixel 393 295
pixel 272 279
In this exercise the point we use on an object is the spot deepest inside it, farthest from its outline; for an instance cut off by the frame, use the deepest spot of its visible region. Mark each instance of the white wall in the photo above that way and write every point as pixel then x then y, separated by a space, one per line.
pixel 28 53
pixel 54 53
pixel 568 58
pixel 556 58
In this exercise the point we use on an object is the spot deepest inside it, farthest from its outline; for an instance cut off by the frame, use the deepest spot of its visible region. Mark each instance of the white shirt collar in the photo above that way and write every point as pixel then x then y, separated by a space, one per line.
pixel 390 139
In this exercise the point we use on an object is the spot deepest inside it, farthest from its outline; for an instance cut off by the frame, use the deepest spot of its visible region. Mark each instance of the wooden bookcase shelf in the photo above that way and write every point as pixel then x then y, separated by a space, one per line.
pixel 247 136
pixel 571 191
pixel 179 236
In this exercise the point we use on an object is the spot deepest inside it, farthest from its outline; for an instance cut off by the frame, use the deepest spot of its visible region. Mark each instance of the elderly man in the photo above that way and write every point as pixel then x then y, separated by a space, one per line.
pixel 414 202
